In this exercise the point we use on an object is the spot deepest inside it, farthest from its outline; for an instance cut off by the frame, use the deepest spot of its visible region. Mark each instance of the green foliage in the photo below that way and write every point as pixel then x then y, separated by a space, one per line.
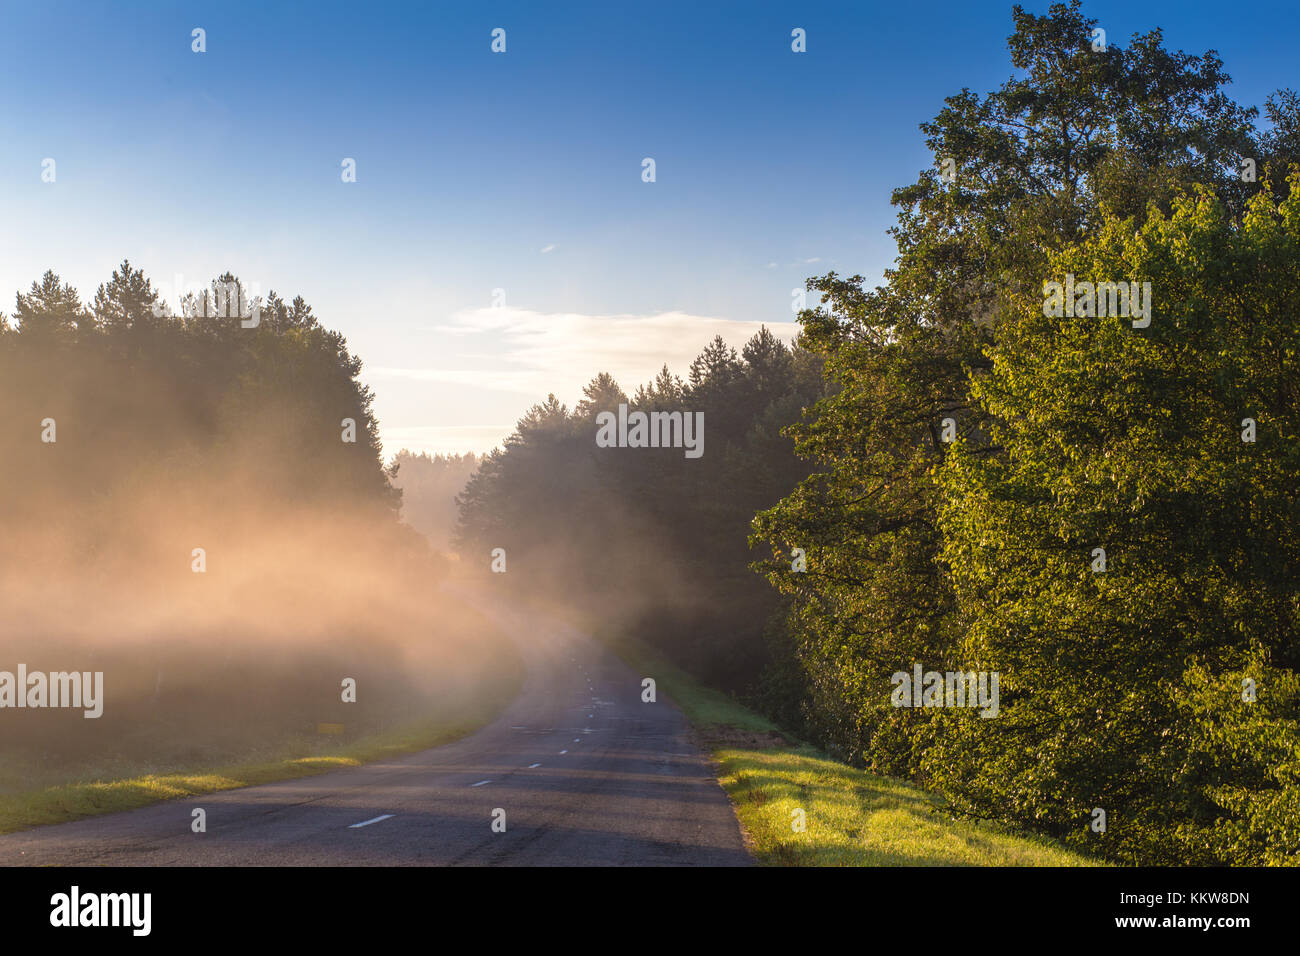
pixel 853 818
pixel 1071 434
pixel 1130 440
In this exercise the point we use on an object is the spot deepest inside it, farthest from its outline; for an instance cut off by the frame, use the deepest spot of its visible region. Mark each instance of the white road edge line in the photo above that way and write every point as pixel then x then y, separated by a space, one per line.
pixel 366 823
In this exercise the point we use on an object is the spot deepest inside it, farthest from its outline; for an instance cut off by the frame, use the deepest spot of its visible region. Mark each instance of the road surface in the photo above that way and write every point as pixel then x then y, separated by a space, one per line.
pixel 587 774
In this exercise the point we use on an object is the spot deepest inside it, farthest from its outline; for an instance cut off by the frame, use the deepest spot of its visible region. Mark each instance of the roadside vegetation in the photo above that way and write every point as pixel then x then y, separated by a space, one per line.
pixel 853 817
pixel 35 796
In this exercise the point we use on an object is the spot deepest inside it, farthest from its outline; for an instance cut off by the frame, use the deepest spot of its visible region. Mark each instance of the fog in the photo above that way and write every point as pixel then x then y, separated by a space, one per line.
pixel 305 577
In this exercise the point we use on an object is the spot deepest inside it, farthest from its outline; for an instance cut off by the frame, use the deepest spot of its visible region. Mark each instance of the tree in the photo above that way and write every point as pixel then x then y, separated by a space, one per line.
pixel 1123 669
pixel 51 313
pixel 429 486
pixel 1020 173
pixel 656 541
pixel 601 394
pixel 127 303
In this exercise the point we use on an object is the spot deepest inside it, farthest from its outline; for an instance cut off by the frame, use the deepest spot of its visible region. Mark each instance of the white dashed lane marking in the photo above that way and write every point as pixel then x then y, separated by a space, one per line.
pixel 366 823
pixel 479 784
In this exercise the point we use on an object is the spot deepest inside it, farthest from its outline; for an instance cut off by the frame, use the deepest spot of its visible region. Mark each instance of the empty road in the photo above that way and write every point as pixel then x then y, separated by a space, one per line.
pixel 586 774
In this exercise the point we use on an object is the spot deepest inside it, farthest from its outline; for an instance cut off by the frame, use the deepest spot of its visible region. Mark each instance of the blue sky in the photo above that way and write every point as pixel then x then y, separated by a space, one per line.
pixel 518 171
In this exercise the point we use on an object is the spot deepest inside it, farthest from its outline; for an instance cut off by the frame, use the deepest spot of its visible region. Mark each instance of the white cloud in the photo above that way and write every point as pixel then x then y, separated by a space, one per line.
pixel 546 249
pixel 535 353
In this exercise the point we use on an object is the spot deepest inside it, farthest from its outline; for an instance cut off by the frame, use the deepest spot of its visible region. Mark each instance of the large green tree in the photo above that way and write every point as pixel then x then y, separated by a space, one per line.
pixel 1019 173
pixel 1129 559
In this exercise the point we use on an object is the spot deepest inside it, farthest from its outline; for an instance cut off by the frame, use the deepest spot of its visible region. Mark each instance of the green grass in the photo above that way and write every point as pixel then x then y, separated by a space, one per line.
pixel 853 817
pixel 291 759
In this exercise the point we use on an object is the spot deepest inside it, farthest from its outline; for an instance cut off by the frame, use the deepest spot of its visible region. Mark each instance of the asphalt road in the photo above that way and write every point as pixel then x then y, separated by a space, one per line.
pixel 587 774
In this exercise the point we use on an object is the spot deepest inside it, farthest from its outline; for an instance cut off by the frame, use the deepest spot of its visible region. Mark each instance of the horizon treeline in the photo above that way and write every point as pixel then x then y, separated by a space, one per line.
pixel 653 539
pixel 270 387
pixel 429 485
pixel 1097 508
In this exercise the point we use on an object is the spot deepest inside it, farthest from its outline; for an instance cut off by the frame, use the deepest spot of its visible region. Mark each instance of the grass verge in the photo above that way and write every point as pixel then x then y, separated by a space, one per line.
pixel 853 817
pixel 299 757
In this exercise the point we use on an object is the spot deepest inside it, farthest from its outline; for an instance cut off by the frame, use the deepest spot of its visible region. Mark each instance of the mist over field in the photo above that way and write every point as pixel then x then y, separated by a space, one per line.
pixel 182 513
